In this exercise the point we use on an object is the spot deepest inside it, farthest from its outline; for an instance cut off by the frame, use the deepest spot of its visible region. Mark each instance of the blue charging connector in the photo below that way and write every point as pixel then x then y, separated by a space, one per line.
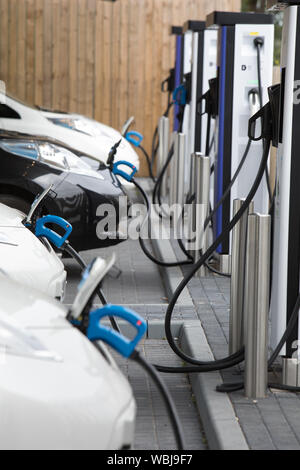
pixel 135 138
pixel 96 331
pixel 41 229
pixel 180 95
pixel 127 176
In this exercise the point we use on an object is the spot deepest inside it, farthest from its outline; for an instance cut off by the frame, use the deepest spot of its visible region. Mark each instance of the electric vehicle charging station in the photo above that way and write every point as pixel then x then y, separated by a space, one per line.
pixel 203 69
pixel 286 231
pixel 237 77
pixel 197 67
pixel 182 93
pixel 191 32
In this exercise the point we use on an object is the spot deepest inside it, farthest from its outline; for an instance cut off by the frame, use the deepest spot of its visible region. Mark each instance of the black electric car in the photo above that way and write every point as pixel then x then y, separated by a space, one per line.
pixel 29 164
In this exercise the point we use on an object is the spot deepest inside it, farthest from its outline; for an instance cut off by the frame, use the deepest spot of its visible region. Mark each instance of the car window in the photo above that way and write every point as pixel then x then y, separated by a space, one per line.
pixel 8 113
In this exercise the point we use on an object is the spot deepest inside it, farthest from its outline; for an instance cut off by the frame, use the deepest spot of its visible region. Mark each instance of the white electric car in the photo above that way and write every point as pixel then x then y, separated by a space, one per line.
pixel 74 130
pixel 57 391
pixel 26 259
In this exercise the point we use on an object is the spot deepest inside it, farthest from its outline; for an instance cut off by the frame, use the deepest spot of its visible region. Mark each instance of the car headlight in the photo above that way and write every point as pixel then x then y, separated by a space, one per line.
pixel 19 342
pixel 84 125
pixel 50 154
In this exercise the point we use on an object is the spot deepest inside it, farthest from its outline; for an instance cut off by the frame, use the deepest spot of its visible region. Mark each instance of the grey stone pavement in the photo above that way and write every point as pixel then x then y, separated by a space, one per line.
pixel 153 429
pixel 140 287
pixel 139 283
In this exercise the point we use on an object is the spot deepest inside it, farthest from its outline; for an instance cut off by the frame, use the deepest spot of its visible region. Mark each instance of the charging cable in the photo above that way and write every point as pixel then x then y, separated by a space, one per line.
pixel 95 331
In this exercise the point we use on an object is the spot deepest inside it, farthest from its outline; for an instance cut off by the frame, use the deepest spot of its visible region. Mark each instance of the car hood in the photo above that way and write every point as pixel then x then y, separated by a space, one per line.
pixel 22 256
pixel 104 130
pixel 26 259
pixel 10 217
pixel 78 142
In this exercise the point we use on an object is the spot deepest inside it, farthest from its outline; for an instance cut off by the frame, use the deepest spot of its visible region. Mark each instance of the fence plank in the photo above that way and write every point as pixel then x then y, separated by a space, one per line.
pixel 21 58
pixel 12 51
pixel 47 53
pixel 63 54
pixel 148 70
pixel 123 91
pixel 115 66
pixel 29 51
pixel 4 40
pixel 73 30
pixel 38 53
pixel 56 46
pixel 81 72
pixel 90 57
pixel 98 61
pixel 106 62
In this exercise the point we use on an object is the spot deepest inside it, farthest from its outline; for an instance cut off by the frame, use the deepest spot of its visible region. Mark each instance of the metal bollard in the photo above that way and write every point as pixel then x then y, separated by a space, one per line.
pixel 177 182
pixel 256 305
pixel 225 263
pixel 238 258
pixel 163 150
pixel 192 196
pixel 202 184
pixel 290 371
pixel 179 149
pixel 173 173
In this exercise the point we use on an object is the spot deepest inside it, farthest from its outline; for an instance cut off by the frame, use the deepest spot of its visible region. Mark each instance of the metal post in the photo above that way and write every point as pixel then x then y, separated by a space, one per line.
pixel 192 196
pixel 173 173
pixel 202 183
pixel 178 182
pixel 238 258
pixel 290 371
pixel 225 264
pixel 179 148
pixel 163 149
pixel 257 284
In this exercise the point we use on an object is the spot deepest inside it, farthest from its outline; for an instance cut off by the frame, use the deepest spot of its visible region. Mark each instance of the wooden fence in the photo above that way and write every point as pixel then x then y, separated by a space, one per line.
pixel 105 60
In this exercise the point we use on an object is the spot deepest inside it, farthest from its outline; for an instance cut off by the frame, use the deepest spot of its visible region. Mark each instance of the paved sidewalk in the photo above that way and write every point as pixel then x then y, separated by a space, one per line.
pixel 153 431
pixel 140 281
